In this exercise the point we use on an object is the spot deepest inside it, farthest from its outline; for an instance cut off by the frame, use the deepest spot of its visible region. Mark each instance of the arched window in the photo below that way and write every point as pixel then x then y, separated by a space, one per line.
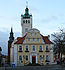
pixel 26 21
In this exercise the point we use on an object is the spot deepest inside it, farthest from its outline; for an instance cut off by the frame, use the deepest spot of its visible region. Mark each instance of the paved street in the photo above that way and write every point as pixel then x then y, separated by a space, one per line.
pixel 50 67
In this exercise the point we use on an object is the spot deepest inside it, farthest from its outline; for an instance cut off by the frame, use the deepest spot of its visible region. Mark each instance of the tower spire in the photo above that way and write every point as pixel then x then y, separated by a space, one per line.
pixel 11 30
pixel 11 38
pixel 26 4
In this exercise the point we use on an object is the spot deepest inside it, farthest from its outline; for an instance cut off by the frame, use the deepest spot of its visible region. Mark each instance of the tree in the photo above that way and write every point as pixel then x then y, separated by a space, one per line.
pixel 0 55
pixel 59 40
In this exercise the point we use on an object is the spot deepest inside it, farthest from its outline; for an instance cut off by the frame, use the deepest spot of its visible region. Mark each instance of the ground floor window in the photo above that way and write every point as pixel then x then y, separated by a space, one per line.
pixel 26 57
pixel 40 57
pixel 47 57
pixel 20 57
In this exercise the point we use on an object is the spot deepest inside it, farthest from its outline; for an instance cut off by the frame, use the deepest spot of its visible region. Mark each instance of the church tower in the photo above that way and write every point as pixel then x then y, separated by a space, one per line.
pixel 11 39
pixel 26 21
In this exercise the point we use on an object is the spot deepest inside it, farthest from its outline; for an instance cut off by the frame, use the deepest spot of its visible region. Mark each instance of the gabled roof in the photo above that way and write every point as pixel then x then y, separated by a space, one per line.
pixel 20 40
pixel 46 40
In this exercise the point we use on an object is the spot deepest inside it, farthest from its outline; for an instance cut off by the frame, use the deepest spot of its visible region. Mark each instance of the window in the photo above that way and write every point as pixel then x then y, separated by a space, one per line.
pixel 47 57
pixel 20 48
pixel 20 57
pixel 37 39
pixel 26 57
pixel 46 48
pixel 26 48
pixel 26 29
pixel 33 48
pixel 31 34
pixel 28 39
pixel 40 48
pixel 33 39
pixel 40 57
pixel 35 34
pixel 28 21
pixel 23 21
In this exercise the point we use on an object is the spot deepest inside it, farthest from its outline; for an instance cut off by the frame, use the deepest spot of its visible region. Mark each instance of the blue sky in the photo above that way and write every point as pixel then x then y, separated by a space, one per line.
pixel 48 15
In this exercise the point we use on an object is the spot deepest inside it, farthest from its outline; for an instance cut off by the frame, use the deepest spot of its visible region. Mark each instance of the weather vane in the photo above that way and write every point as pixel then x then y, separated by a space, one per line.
pixel 26 3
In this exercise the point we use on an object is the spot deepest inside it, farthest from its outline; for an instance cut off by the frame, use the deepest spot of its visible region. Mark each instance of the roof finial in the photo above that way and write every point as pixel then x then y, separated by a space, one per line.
pixel 26 4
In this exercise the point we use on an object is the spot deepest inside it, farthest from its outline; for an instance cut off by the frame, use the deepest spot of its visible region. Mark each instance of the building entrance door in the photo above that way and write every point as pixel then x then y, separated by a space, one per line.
pixel 33 59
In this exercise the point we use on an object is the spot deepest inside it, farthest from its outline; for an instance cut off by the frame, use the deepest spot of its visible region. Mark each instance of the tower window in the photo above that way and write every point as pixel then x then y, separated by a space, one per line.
pixel 26 21
pixel 23 21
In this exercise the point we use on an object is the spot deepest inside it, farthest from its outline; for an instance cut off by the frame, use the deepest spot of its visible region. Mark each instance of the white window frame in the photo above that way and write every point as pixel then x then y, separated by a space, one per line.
pixel 41 57
pixel 35 34
pixel 47 57
pixel 25 48
pixel 39 48
pixel 28 39
pixel 33 40
pixel 25 58
pixel 46 48
pixel 38 39
pixel 32 48
pixel 21 47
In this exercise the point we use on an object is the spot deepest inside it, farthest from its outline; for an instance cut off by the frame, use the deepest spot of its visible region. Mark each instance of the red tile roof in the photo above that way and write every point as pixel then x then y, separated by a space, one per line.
pixel 46 40
pixel 20 40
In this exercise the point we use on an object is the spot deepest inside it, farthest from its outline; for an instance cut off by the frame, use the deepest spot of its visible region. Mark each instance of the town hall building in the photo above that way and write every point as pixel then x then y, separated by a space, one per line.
pixel 32 47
